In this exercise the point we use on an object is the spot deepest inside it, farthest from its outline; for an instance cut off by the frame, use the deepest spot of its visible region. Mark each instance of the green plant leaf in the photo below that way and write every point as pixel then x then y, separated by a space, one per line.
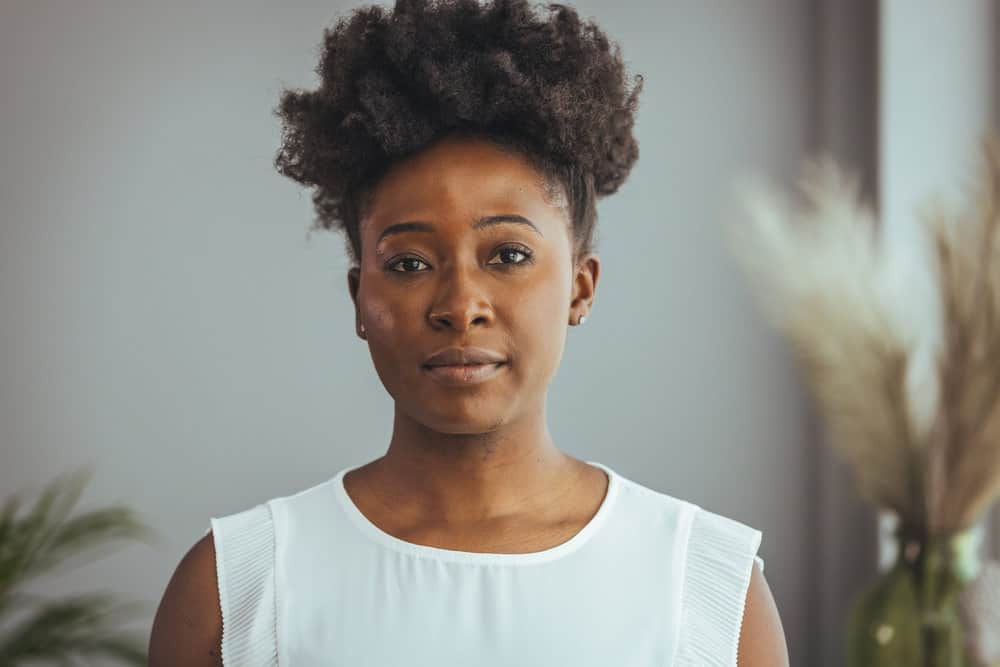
pixel 27 538
pixel 45 539
pixel 74 625
pixel 87 531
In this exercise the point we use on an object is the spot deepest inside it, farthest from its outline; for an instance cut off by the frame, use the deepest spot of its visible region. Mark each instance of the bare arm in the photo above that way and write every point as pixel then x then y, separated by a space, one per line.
pixel 762 639
pixel 187 629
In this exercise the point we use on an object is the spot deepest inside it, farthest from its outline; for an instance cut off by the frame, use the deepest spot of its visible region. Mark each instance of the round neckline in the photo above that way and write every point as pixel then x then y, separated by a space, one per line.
pixel 438 553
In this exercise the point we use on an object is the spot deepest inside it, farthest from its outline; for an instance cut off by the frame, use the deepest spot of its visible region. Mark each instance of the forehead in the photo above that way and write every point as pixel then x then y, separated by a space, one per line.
pixel 462 179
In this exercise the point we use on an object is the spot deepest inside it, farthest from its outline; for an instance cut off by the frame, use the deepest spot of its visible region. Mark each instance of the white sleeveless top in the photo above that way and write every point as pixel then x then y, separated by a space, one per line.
pixel 308 580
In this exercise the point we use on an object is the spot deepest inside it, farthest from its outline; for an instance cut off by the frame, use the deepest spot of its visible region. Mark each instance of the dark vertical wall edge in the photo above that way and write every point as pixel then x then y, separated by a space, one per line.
pixel 846 529
pixel 993 528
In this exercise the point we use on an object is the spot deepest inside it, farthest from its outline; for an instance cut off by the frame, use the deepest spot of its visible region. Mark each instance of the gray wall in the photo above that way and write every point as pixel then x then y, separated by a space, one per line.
pixel 166 319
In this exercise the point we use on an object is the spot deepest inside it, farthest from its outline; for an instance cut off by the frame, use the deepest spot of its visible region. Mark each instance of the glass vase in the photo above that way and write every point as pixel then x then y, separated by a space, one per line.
pixel 909 617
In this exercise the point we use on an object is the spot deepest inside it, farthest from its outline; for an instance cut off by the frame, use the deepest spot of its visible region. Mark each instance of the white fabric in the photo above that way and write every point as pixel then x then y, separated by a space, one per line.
pixel 244 566
pixel 717 577
pixel 308 580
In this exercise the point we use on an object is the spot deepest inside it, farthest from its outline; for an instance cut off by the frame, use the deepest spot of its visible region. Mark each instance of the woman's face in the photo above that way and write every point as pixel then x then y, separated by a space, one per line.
pixel 489 265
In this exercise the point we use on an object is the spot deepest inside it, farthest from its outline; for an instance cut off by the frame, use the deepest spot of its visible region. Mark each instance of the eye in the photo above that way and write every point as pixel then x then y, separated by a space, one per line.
pixel 399 261
pixel 503 251
pixel 520 250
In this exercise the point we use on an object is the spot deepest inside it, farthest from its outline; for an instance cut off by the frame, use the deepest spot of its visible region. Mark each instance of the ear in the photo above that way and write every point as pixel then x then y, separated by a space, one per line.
pixel 353 285
pixel 585 276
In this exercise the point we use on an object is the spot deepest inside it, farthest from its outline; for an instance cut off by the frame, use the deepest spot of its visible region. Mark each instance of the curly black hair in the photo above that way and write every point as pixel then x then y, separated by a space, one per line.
pixel 553 90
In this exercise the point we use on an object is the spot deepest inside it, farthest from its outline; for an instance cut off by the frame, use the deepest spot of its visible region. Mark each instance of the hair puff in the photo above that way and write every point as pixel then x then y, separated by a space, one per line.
pixel 391 82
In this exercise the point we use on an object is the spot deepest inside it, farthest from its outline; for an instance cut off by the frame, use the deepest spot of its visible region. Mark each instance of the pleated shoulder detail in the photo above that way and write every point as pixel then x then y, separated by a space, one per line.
pixel 718 565
pixel 245 567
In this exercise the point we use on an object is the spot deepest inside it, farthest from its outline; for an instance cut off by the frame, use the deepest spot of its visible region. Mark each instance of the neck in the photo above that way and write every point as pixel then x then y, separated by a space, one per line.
pixel 459 478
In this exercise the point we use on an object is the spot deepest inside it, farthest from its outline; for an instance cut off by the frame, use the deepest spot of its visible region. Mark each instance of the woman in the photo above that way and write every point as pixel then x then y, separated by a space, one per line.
pixel 461 148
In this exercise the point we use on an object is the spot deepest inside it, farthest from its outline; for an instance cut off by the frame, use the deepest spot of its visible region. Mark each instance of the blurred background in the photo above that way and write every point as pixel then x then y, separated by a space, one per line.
pixel 165 317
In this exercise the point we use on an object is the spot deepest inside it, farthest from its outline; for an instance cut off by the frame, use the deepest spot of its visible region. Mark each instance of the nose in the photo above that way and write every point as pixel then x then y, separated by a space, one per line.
pixel 461 303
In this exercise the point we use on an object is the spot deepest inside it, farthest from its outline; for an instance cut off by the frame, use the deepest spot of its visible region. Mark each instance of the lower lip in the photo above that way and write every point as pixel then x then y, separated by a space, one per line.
pixel 464 375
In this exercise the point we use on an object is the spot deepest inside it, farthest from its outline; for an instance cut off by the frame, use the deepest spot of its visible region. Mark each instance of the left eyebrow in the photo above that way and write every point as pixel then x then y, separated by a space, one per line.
pixel 481 223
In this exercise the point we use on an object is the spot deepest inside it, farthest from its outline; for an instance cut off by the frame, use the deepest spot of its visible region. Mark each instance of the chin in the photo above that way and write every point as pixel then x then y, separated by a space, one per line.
pixel 463 424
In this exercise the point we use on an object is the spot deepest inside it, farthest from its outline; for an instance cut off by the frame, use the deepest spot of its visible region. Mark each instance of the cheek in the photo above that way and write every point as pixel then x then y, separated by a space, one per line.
pixel 387 344
pixel 380 317
pixel 550 303
pixel 384 333
pixel 539 331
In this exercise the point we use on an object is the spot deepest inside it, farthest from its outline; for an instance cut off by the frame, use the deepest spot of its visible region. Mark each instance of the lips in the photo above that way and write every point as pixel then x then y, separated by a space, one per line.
pixel 464 376
pixel 464 356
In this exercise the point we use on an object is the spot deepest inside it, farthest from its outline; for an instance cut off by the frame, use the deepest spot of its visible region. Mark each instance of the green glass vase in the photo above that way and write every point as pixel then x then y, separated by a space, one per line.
pixel 909 617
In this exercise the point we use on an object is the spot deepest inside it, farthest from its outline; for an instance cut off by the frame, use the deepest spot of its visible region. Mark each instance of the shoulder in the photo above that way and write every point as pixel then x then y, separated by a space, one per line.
pixel 220 603
pixel 762 638
pixel 187 628
pixel 724 598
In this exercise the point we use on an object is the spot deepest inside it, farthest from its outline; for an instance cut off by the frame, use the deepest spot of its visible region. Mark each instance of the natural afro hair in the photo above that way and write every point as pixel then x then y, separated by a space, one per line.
pixel 552 89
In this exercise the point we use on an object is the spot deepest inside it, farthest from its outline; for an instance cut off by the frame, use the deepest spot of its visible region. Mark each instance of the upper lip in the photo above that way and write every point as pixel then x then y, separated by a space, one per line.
pixel 459 356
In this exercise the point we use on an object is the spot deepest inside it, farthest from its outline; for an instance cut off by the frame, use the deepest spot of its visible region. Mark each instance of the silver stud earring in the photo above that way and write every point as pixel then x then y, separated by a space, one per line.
pixel 581 320
pixel 362 328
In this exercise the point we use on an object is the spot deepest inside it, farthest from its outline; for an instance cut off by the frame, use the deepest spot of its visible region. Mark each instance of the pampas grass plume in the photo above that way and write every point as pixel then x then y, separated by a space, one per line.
pixel 921 441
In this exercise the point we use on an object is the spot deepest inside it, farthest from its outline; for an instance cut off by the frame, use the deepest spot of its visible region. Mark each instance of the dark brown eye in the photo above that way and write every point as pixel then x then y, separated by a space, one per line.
pixel 399 261
pixel 518 250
